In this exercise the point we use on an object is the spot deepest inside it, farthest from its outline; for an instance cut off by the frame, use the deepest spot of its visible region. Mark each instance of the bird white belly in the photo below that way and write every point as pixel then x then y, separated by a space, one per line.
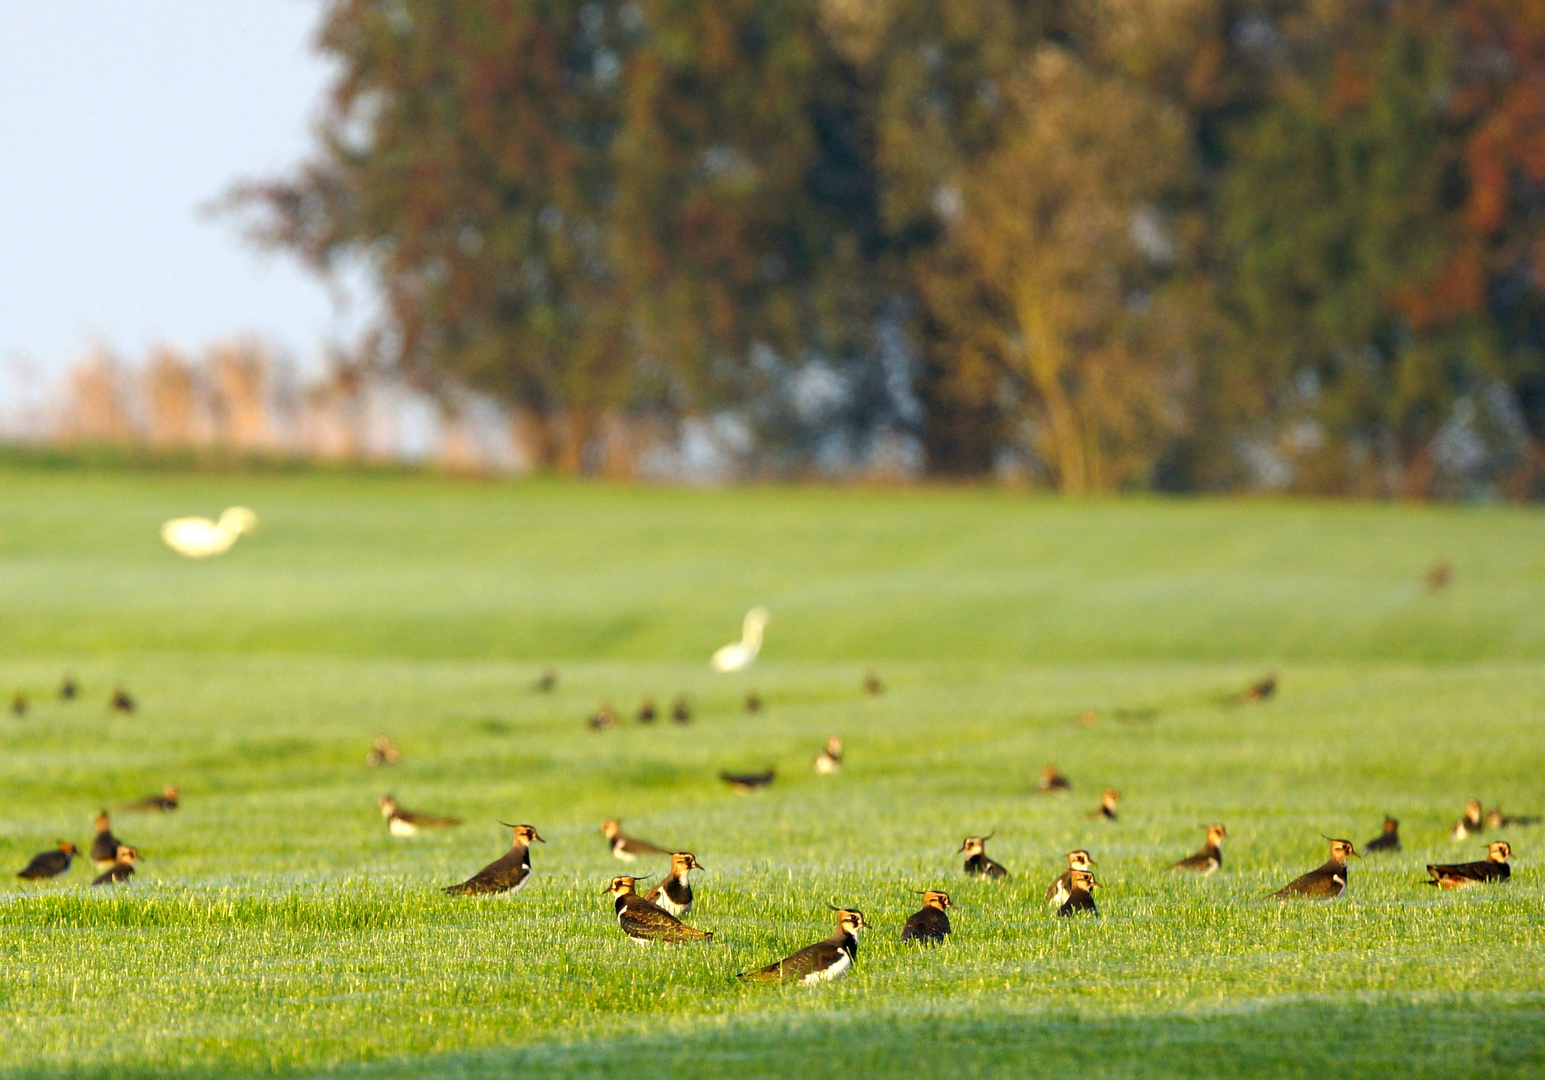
pixel 1061 895
pixel 824 765
pixel 678 910
pixel 836 971
pixel 399 827
pixel 623 854
pixel 1210 868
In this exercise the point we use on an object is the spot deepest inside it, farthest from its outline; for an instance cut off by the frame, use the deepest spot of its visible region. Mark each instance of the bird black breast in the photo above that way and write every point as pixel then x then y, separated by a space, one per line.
pixel 622 902
pixel 679 891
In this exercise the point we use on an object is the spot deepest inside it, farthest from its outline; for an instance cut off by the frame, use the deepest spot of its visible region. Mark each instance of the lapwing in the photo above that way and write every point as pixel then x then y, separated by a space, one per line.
pixel 753 702
pixel 121 869
pixel 1325 882
pixel 646 711
pixel 1261 690
pixel 1107 808
pixel 49 863
pixel 68 688
pixel 506 874
pixel 165 802
pixel 681 712
pixel 674 893
pixel 1388 840
pixel 1472 822
pixel 104 846
pixel 1493 868
pixel 121 701
pixel 1052 782
pixel 603 718
pixel 830 760
pixel 931 925
pixel 746 783
pixel 821 962
pixel 401 822
pixel 1210 858
pixel 546 682
pixel 383 752
pixel 644 922
pixel 872 685
pixel 977 862
pixel 1440 575
pixel 1061 888
pixel 628 848
pixel 1080 899
pixel 19 705
pixel 1496 819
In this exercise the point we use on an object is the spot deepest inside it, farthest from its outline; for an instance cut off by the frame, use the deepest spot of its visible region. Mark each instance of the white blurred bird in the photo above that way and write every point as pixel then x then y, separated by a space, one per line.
pixel 199 538
pixel 739 655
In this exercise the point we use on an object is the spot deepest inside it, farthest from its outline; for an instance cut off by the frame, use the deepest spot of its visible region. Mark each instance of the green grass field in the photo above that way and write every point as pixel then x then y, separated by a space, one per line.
pixel 276 929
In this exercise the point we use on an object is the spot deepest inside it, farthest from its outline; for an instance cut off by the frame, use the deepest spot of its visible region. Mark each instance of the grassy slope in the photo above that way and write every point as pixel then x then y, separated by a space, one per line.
pixel 276 928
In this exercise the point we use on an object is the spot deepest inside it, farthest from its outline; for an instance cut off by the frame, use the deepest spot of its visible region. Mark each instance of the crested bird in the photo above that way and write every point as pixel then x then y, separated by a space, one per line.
pixel 931 925
pixel 644 922
pixel 741 654
pixel 383 752
pixel 506 874
pixel 1325 882
pixel 1107 808
pixel 829 760
pixel 121 701
pixel 546 682
pixel 199 538
pixel 1080 899
pixel 1052 781
pixel 1210 858
pixel 646 711
pixel 104 846
pixel 49 863
pixel 400 822
pixel 1496 819
pixel 977 863
pixel 681 711
pixel 746 783
pixel 627 848
pixel 1261 690
pixel 1472 822
pixel 121 869
pixel 1493 868
pixel 1388 840
pixel 166 801
pixel 872 685
pixel 68 688
pixel 1061 888
pixel 821 962
pixel 674 892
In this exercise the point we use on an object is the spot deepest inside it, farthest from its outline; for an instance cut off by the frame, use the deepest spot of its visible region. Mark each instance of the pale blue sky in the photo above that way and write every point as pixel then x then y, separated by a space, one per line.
pixel 120 119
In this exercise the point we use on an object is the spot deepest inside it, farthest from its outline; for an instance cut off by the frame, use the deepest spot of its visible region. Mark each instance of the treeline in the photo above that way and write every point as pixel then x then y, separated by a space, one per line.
pixel 1176 244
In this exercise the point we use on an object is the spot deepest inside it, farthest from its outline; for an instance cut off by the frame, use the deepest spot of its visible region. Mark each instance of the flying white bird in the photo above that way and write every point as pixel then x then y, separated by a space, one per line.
pixel 199 538
pixel 739 655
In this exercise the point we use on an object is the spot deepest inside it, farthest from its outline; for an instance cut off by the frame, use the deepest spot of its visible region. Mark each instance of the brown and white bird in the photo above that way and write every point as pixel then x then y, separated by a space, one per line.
pixel 931 925
pixel 1493 868
pixel 383 752
pixel 1496 819
pixel 603 718
pixel 50 863
pixel 507 874
pixel 821 962
pixel 977 863
pixel 1326 882
pixel 674 892
pixel 1472 822
pixel 1061 888
pixel 165 802
pixel 104 846
pixel 829 760
pixel 1080 899
pixel 1107 808
pixel 1210 858
pixel 628 848
pixel 646 923
pixel 1388 840
pixel 403 822
pixel 122 868
pixel 746 783
pixel 1052 782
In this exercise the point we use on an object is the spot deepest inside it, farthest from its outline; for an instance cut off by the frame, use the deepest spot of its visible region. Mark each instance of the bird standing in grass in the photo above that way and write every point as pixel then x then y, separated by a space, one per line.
pixel 546 682
pixel 644 922
pixel 603 718
pixel 1107 808
pixel 741 654
pixel 977 863
pixel 872 685
pixel 753 702
pixel 931 925
pixel 1061 888
pixel 104 846
pixel 646 711
pixel 122 868
pixel 506 874
pixel 121 701
pixel 1472 821
pixel 1260 691
pixel 628 848
pixel 1210 858
pixel 1388 840
pixel 1493 868
pixel 68 688
pixel 19 705
pixel 681 712
pixel 199 538
pixel 165 802
pixel 49 864
pixel 383 752
pixel 1080 899
pixel 829 760
pixel 1052 782
pixel 746 783
pixel 821 962
pixel 1496 819
pixel 1326 882
pixel 674 893
pixel 401 822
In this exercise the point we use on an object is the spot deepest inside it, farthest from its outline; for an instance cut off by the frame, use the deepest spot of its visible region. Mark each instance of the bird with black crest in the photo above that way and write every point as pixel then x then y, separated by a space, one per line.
pixel 674 891
pixel 1459 875
pixel 1328 881
pixel 121 869
pixel 49 864
pixel 507 874
pixel 977 863
pixel 1209 859
pixel 931 925
pixel 1080 899
pixel 1061 888
pixel 822 962
pixel 647 923
pixel 1388 840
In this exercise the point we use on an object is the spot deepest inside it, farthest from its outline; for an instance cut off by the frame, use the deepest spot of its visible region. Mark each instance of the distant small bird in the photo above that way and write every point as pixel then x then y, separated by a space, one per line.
pixel 821 962
pixel 383 752
pixel 68 688
pixel 644 922
pixel 931 925
pixel 628 848
pixel 646 711
pixel 1260 691
pixel 1107 808
pixel 681 712
pixel 977 863
pixel 506 874
pixel 1493 868
pixel 104 846
pixel 1495 819
pixel 19 705
pixel 165 802
pixel 1052 782
pixel 1472 822
pixel 603 718
pixel 674 893
pixel 1388 840
pixel 1210 858
pixel 746 783
pixel 753 702
pixel 1440 575
pixel 546 682
pixel 122 868
pixel 199 538
pixel 1088 718
pixel 1061 888
pixel 1326 882
pixel 50 863
pixel 742 654
pixel 872 685
pixel 121 701
pixel 400 822
pixel 829 760
pixel 1080 899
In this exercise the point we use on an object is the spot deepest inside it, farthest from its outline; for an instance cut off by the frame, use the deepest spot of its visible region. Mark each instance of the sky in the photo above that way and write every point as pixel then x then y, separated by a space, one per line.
pixel 122 120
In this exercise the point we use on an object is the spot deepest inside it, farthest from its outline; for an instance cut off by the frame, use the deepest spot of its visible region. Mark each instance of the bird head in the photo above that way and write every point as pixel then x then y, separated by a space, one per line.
pixel 1472 809
pixel 834 745
pixel 1083 879
pixel 170 791
pixel 1391 825
pixel 239 520
pixel 127 855
pixel 1109 798
pixel 102 822
pixel 1499 851
pixel 387 804
pixel 974 845
pixel 1079 860
pixel 524 834
pixel 936 899
pixel 610 828
pixel 621 885
pixel 1340 849
pixel 1215 834
pixel 682 861
pixel 850 920
pixel 67 847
